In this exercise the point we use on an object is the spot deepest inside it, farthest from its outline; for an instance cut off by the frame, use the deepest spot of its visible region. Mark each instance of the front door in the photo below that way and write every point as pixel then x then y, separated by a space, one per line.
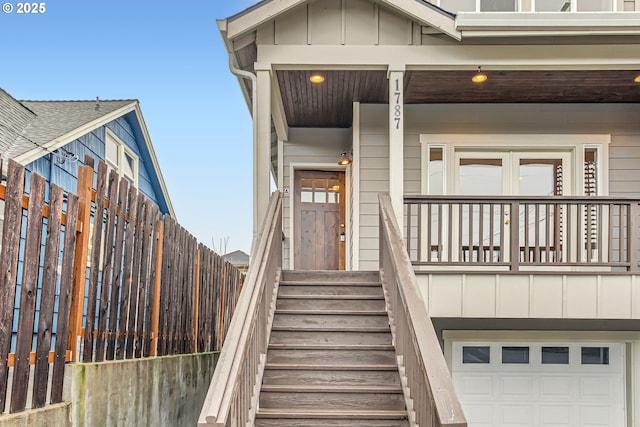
pixel 319 223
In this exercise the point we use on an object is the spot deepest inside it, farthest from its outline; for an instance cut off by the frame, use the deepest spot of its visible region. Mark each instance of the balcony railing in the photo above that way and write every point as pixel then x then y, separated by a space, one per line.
pixel 510 233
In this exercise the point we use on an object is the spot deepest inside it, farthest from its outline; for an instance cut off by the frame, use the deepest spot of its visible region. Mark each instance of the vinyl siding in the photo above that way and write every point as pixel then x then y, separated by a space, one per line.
pixel 311 146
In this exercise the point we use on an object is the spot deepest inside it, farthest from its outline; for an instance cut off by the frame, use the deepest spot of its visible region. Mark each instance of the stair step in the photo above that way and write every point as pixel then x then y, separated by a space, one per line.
pixel 346 357
pixel 333 399
pixel 336 297
pixel 330 337
pixel 337 276
pixel 335 303
pixel 312 328
pixel 337 415
pixel 338 388
pixel 344 312
pixel 327 290
pixel 343 284
pixel 328 346
pixel 322 422
pixel 329 377
pixel 330 321
pixel 294 366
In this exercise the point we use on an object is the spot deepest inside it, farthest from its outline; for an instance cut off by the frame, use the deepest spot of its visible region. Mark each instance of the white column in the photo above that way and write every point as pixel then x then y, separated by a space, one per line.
pixel 262 148
pixel 635 384
pixel 396 141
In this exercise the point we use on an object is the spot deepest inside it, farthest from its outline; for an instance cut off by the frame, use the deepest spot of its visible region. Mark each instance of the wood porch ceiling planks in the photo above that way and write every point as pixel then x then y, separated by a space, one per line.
pixel 329 104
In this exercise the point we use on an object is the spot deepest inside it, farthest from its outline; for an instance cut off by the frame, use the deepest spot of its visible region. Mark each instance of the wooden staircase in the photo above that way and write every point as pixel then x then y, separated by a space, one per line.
pixel 330 360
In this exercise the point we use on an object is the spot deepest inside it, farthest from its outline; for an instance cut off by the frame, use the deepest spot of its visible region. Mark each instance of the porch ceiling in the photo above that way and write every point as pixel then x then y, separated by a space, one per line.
pixel 330 104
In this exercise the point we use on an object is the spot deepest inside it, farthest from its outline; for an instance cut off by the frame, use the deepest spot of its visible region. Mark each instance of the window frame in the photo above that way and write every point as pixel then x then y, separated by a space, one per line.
pixel 123 151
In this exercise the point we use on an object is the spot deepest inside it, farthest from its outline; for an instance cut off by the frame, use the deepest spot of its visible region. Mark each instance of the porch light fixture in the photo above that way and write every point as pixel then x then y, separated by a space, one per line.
pixel 479 77
pixel 345 159
pixel 316 78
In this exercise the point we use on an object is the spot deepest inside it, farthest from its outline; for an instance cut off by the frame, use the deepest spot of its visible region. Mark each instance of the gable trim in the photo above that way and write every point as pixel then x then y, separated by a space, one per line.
pixel 35 153
pixel 263 12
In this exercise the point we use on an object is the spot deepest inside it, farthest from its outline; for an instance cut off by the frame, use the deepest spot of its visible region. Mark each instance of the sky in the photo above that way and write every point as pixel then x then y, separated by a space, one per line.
pixel 170 56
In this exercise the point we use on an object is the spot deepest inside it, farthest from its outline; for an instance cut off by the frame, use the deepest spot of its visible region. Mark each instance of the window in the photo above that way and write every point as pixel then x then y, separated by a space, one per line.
pixel 476 354
pixel 574 6
pixel 595 355
pixel 555 355
pixel 479 5
pixel 121 158
pixel 320 190
pixel 515 355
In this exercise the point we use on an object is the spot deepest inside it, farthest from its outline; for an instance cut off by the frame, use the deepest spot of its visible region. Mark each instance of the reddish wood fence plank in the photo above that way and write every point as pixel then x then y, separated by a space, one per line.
pixel 47 298
pixel 28 293
pixel 9 268
pixel 64 302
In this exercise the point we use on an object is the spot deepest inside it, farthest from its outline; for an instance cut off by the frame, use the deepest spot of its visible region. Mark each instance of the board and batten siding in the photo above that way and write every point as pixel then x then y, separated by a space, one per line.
pixel 313 147
pixel 621 121
pixel 65 173
pixel 340 22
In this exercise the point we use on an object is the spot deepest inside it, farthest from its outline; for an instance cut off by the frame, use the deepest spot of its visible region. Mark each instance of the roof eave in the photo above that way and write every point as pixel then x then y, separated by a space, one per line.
pixel 223 28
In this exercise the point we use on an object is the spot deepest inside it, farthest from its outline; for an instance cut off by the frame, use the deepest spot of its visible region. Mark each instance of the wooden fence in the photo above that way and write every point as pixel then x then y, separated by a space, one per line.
pixel 128 282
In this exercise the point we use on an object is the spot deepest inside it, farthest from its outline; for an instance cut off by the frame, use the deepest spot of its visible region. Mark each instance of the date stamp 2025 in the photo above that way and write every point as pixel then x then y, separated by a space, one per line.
pixel 24 8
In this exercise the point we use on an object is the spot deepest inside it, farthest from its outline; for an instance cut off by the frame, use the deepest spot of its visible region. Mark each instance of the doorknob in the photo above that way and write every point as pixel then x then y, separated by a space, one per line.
pixel 506 218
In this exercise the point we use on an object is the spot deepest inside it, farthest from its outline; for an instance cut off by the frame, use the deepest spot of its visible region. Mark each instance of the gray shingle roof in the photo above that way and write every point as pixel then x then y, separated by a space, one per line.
pixel 14 117
pixel 25 125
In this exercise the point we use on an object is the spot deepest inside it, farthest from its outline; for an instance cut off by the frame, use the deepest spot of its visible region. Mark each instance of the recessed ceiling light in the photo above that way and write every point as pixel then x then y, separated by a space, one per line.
pixel 316 78
pixel 637 79
pixel 479 77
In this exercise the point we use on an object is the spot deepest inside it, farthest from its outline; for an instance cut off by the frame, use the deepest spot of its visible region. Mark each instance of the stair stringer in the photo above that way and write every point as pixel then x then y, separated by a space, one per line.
pixel 255 398
pixel 399 359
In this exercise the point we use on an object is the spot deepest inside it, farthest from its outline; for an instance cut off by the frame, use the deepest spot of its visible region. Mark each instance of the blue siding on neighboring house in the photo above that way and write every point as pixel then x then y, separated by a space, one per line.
pixel 64 172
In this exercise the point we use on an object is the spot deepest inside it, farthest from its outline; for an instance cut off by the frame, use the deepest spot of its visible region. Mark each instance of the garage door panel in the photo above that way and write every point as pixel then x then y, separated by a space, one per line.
pixel 555 387
pixel 516 387
pixel 481 414
pixel 516 415
pixel 597 416
pixel 596 387
pixel 478 387
pixel 555 415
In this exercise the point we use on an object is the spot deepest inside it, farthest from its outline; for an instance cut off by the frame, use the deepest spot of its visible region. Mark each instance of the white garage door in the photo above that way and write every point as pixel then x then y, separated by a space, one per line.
pixel 541 384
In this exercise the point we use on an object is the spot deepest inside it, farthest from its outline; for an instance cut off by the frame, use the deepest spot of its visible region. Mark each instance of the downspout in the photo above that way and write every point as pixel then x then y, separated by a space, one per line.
pixel 242 74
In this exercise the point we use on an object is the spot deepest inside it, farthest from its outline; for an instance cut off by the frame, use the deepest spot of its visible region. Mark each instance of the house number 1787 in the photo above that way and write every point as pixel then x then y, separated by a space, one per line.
pixel 397 114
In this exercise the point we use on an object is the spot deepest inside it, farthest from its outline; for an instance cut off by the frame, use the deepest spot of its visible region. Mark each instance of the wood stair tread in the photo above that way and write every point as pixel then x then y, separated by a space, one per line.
pixel 317 367
pixel 327 283
pixel 300 388
pixel 332 296
pixel 333 312
pixel 331 414
pixel 331 346
pixel 315 328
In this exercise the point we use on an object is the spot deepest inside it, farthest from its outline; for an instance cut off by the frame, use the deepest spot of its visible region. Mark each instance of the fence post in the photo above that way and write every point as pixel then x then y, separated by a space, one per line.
pixel 84 192
pixel 223 283
pixel 196 302
pixel 157 284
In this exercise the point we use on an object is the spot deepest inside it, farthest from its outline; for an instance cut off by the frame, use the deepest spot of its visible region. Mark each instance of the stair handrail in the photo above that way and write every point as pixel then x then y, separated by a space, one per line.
pixel 232 394
pixel 426 377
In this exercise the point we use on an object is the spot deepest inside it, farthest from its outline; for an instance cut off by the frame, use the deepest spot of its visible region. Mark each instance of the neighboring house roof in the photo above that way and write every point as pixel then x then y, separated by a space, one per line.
pixel 237 258
pixel 31 129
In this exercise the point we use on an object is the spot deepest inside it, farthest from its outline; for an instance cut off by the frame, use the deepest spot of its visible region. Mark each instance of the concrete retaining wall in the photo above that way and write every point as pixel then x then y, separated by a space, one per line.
pixel 159 391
